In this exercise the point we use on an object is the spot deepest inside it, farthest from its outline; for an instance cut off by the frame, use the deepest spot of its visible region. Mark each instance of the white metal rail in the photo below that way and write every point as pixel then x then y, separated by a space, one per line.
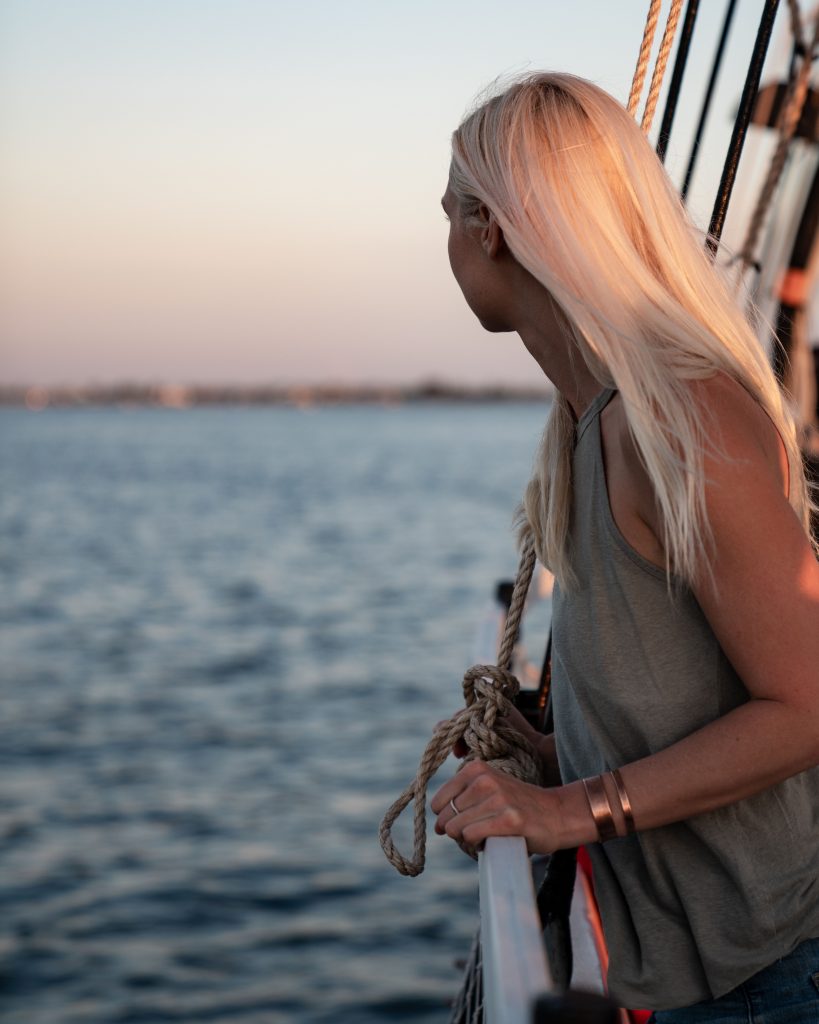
pixel 515 966
pixel 515 971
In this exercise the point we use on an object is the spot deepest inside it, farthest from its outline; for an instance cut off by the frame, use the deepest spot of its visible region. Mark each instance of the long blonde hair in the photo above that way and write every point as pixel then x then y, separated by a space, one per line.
pixel 586 207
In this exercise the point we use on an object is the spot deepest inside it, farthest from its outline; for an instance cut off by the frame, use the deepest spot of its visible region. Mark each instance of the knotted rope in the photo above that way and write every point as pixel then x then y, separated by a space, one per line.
pixel 489 691
pixel 788 122
pixel 660 63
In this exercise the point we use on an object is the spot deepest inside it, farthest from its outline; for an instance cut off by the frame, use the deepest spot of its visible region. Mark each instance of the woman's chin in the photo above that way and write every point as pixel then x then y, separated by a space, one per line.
pixel 495 325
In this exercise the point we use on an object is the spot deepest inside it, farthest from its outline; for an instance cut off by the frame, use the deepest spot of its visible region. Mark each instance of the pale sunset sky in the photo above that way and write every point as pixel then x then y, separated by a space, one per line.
pixel 239 191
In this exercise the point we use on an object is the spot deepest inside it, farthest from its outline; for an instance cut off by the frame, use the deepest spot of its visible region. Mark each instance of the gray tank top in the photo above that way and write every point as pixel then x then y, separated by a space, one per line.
pixel 693 909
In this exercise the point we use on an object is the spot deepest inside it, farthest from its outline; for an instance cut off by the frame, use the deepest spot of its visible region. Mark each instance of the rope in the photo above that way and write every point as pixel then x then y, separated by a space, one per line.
pixel 468 1006
pixel 661 64
pixel 796 23
pixel 788 122
pixel 642 59
pixel 488 692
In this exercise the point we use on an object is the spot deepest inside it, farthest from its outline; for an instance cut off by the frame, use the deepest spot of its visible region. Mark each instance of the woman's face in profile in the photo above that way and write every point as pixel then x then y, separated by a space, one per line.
pixel 457 243
pixel 476 273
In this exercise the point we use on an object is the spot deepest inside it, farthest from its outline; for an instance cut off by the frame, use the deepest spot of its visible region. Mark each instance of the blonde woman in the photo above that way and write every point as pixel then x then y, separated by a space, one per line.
pixel 669 500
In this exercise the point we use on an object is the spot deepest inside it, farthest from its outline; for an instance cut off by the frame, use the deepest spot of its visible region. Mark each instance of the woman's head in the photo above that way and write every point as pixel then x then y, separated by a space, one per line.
pixel 585 206
pixel 551 146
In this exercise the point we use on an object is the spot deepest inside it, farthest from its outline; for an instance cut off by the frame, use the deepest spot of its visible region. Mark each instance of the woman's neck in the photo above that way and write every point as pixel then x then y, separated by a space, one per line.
pixel 545 335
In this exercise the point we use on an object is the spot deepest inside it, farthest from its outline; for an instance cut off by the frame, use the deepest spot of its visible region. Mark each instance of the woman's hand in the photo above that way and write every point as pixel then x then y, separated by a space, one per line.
pixel 492 803
pixel 525 728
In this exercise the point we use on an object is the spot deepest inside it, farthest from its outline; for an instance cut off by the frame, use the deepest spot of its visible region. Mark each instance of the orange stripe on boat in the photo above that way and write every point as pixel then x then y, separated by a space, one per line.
pixel 793 288
pixel 586 876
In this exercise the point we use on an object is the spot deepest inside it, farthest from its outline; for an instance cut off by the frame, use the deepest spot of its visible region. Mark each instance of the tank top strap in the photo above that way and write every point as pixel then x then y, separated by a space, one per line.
pixel 592 411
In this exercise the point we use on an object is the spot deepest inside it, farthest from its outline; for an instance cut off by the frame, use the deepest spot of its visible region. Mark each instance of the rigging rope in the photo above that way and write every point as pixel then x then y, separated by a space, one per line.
pixel 468 1007
pixel 489 691
pixel 796 23
pixel 642 60
pixel 660 63
pixel 788 120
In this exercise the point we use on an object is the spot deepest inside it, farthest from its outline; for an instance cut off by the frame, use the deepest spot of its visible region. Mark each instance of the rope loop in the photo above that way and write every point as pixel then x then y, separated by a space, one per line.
pixel 482 724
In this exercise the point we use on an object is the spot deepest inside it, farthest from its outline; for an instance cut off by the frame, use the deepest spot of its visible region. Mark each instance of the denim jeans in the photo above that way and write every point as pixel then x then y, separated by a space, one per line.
pixel 787 992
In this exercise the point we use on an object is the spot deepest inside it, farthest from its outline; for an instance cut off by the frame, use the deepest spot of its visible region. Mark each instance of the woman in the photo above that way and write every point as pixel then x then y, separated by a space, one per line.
pixel 669 500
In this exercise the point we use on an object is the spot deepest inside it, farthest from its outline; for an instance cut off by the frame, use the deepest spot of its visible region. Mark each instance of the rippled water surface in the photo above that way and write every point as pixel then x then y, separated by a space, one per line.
pixel 225 636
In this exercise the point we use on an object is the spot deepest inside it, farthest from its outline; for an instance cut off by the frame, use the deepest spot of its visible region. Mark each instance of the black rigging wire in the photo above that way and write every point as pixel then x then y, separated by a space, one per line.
pixel 680 62
pixel 746 107
pixel 709 92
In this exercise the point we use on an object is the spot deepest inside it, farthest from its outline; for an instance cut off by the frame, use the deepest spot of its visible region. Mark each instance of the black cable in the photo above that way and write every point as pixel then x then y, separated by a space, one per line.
pixel 709 92
pixel 746 107
pixel 680 62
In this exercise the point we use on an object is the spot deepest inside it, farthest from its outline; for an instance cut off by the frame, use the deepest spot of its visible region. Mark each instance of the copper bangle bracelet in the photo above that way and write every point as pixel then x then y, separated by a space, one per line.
pixel 625 803
pixel 600 808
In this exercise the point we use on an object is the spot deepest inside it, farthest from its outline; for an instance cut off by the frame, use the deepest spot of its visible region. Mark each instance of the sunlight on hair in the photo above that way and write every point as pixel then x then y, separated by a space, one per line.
pixel 586 207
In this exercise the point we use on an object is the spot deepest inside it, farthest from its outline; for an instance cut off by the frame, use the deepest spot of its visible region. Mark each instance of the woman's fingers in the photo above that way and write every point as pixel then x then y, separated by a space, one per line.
pixel 459 783
pixel 471 786
pixel 516 719
pixel 480 802
pixel 473 825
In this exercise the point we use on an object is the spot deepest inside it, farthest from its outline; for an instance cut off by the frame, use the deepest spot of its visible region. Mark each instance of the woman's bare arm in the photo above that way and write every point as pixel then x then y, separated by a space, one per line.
pixel 762 601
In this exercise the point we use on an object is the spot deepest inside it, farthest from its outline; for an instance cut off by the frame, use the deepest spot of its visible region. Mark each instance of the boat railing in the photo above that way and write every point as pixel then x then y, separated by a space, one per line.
pixel 517 982
pixel 515 970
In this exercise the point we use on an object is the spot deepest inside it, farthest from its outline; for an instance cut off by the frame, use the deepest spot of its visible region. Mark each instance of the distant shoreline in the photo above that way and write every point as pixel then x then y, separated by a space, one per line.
pixel 171 396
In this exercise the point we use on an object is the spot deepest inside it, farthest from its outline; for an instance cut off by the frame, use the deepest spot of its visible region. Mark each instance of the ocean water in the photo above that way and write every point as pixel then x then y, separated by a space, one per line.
pixel 225 636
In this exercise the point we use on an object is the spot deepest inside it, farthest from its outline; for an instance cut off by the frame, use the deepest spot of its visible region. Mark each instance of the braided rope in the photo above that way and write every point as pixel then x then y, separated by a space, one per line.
pixel 796 23
pixel 488 691
pixel 660 64
pixel 642 60
pixel 788 122
pixel 468 1006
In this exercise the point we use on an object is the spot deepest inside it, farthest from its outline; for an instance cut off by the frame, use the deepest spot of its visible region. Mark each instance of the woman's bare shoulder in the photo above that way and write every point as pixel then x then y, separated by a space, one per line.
pixel 742 450
pixel 738 430
pixel 762 592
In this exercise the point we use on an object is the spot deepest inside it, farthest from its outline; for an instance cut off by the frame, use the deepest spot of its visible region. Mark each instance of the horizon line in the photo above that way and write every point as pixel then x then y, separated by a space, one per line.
pixel 36 397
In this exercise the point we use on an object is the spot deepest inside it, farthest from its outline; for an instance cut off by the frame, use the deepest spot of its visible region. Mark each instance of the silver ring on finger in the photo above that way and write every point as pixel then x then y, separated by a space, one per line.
pixel 452 805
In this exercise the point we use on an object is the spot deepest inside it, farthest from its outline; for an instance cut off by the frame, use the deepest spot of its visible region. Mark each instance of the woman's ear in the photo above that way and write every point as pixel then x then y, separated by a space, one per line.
pixel 491 233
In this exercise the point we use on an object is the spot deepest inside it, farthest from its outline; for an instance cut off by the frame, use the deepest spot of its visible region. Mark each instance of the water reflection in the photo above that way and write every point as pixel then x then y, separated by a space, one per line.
pixel 225 637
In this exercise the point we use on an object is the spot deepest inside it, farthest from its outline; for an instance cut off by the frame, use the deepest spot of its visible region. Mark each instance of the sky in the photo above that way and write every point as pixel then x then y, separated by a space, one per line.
pixel 239 191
